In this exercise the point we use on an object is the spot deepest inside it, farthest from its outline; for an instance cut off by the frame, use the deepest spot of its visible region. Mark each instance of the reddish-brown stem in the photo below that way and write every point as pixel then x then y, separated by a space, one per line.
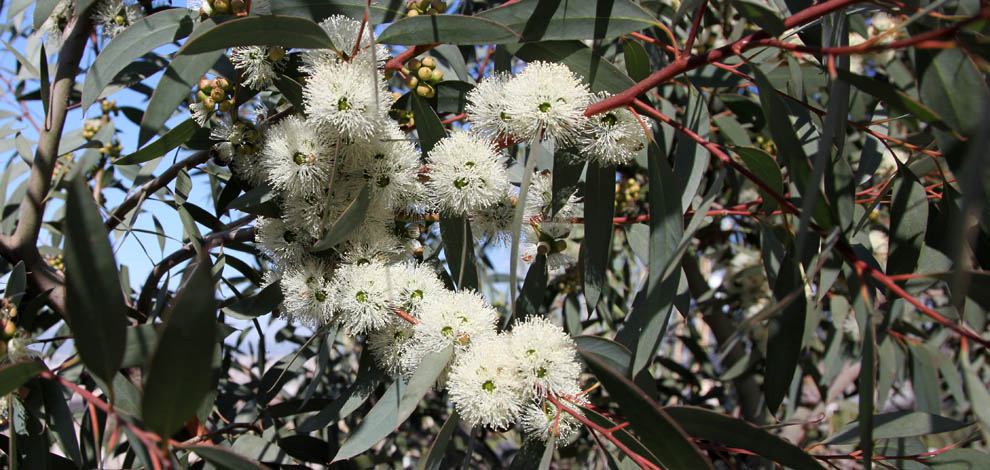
pixel 695 25
pixel 397 62
pixel 638 459
pixel 403 314
pixel 484 63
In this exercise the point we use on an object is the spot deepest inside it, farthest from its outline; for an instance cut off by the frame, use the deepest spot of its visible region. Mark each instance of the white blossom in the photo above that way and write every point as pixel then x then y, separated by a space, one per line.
pixel 115 16
pixel 390 164
pixel 298 156
pixel 347 97
pixel 547 237
pixel 546 101
pixel 450 318
pixel 543 421
pixel 259 65
pixel 614 136
pixel 487 107
pixel 343 33
pixel 539 199
pixel 281 243
pixel 494 221
pixel 547 358
pixel 485 386
pixel 466 174
pixel 306 292
pixel 364 294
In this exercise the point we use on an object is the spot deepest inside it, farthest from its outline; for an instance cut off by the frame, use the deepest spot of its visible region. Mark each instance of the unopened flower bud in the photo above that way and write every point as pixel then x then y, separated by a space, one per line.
pixel 426 91
pixel 224 106
pixel 221 6
pixel 413 64
pixel 205 84
pixel 412 13
pixel 201 95
pixel 424 73
pixel 218 94
pixel 412 82
pixel 222 83
pixel 208 103
pixel 237 6
pixel 428 62
pixel 439 5
pixel 9 328
pixel 437 76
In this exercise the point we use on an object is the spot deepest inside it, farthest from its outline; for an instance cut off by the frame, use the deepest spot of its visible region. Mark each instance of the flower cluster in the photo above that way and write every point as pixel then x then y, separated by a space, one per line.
pixel 546 102
pixel 343 148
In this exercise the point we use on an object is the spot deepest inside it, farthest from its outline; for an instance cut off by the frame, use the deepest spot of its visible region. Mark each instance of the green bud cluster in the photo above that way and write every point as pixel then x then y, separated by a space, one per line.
pixel 223 7
pixel 112 149
pixel 216 94
pixel 425 7
pixel 422 76
pixel 404 117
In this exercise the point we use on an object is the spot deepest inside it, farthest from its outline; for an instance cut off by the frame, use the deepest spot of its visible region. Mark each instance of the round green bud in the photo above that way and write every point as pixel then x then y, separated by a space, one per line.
pixel 424 73
pixel 439 5
pixel 237 6
pixel 413 64
pixel 218 94
pixel 412 82
pixel 428 62
pixel 437 76
pixel 222 83
pixel 426 91
pixel 205 84
pixel 224 106
pixel 201 95
pixel 412 13
pixel 209 103
pixel 221 6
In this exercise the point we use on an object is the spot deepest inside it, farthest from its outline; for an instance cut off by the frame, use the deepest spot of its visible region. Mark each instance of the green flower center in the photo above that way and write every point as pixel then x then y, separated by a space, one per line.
pixel 321 296
pixel 488 386
pixel 383 181
pixel 544 106
pixel 342 104
pixel 361 296
pixel 460 183
pixel 610 119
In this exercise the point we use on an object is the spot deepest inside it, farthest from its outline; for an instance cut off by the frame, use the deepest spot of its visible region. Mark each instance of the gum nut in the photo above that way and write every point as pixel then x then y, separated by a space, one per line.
pixel 412 13
pixel 412 82
pixel 224 106
pixel 221 6
pixel 9 328
pixel 237 5
pixel 437 76
pixel 205 84
pixel 429 62
pixel 276 53
pixel 413 64
pixel 425 91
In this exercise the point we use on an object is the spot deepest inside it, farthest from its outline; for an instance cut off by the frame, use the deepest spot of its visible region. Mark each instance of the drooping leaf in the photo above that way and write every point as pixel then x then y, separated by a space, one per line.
pixel 317 10
pixel 954 89
pixel 908 223
pixel 95 302
pixel 644 329
pixel 175 137
pixel 16 284
pixel 896 100
pixel 265 30
pixel 260 303
pixel 14 375
pixel 368 378
pixel 137 40
pixel 762 16
pixel 766 169
pixel 180 372
pixel 898 424
pixel 785 332
pixel 433 457
pixel 658 432
pixel 428 124
pixel 599 206
pixel 637 61
pixel 58 418
pixel 349 220
pixel 736 433
pixel 447 29
pixel 556 20
pixel 399 401
pixel 530 300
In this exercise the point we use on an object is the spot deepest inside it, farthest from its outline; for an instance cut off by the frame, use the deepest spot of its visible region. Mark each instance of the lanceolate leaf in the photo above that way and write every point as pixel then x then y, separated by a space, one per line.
pixel 260 303
pixel 953 88
pixel 317 10
pixel 175 137
pixel 736 433
pixel 541 20
pixel 285 31
pixel 644 328
pixel 137 40
pixel 352 217
pixel 14 375
pixel 449 29
pixel 785 332
pixel 661 435
pixel 95 302
pixel 599 206
pixel 908 223
pixel 434 456
pixel 399 401
pixel 180 371
pixel 898 424
pixel 58 418
pixel 769 20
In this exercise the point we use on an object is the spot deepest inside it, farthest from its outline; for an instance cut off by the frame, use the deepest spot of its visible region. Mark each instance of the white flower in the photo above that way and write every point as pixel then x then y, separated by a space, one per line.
pixel 390 163
pixel 364 295
pixel 466 174
pixel 543 421
pixel 546 101
pixel 390 344
pixel 115 16
pixel 17 348
pixel 614 136
pixel 347 97
pixel 280 243
pixel 539 199
pixel 494 221
pixel 415 283
pixel 484 385
pixel 304 212
pixel 547 237
pixel 200 113
pixel 343 33
pixel 487 107
pixel 240 146
pixel 259 65
pixel 547 358
pixel 450 318
pixel 306 292
pixel 298 156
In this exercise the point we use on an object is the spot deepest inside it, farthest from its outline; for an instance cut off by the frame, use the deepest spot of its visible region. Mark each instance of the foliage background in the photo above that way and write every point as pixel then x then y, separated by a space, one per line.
pixel 801 255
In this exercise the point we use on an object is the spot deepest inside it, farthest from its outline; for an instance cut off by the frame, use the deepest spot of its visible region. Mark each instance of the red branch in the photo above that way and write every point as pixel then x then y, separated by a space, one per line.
pixel 397 62
pixel 639 459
